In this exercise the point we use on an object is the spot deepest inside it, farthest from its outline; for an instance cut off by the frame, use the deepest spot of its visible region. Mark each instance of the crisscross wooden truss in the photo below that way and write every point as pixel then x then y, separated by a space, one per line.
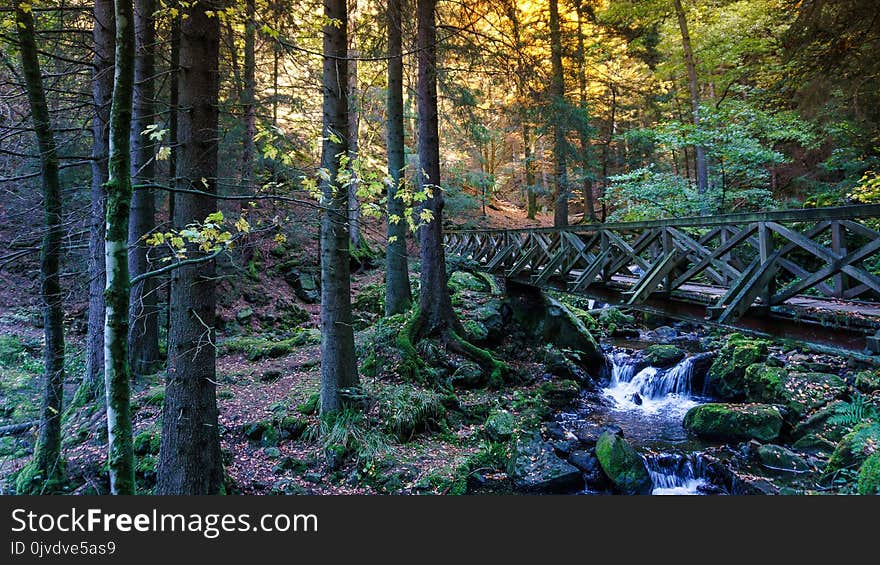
pixel 737 261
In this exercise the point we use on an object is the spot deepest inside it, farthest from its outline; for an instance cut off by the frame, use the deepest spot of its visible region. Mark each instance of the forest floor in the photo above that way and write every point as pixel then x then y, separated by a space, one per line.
pixel 257 308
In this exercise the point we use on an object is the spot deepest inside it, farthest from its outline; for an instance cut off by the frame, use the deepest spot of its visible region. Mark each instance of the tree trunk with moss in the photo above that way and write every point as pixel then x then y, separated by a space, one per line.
pixel 45 472
pixel 338 364
pixel 189 457
pixel 117 371
pixel 143 335
pixel 397 292
pixel 435 303
pixel 104 37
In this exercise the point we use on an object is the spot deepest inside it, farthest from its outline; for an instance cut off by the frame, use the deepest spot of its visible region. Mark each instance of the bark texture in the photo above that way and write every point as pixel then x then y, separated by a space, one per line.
pixel 189 458
pixel 397 292
pixel 338 364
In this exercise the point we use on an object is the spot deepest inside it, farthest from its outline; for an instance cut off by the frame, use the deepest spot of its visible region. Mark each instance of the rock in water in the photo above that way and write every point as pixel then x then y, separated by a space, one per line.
pixel 534 467
pixel 726 375
pixel 623 465
pixel 734 422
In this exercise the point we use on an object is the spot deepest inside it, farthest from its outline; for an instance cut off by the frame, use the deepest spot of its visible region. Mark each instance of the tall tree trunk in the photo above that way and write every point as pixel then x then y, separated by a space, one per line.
pixel 521 86
pixel 435 303
pixel 189 457
pixel 338 364
pixel 104 36
pixel 45 472
pixel 173 135
pixel 693 87
pixel 589 204
pixel 248 101
pixel 557 91
pixel 354 104
pixel 528 153
pixel 397 292
pixel 143 336
pixel 117 371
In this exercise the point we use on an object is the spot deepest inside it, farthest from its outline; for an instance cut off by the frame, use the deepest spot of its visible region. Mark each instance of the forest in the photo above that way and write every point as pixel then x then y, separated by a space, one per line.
pixel 258 247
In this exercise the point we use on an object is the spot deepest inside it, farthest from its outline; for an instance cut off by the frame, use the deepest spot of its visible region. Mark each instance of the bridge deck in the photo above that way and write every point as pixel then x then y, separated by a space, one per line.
pixel 817 265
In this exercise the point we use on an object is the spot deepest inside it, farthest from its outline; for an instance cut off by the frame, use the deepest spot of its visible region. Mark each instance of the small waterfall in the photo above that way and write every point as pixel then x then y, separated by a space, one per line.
pixel 650 388
pixel 676 380
pixel 622 368
pixel 676 474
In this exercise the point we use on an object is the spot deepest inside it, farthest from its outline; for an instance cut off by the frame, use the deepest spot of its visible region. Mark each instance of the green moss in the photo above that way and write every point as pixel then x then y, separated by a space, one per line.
pixel 867 381
pixel 855 447
pixel 499 426
pixel 495 368
pixel 147 442
pixel 310 406
pixel 371 298
pixel 560 393
pixel 623 465
pixel 663 355
pixel 869 475
pixel 256 348
pixel 734 421
pixel 801 393
pixel 462 280
pixel 726 375
pixel 32 480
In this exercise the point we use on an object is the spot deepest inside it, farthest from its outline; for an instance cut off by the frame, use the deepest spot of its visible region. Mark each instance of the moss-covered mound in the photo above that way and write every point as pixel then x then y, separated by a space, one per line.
pixel 734 422
pixel 623 465
pixel 852 451
pixel 800 393
pixel 726 375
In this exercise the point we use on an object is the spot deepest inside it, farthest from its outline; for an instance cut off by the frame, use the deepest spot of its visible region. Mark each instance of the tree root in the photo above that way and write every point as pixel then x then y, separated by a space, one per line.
pixel 496 369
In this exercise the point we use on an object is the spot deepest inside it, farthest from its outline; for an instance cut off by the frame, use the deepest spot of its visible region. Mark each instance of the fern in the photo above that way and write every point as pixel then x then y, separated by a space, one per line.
pixel 854 412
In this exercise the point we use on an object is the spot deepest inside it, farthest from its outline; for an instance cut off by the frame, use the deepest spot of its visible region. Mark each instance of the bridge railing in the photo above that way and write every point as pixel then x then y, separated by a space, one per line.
pixel 736 260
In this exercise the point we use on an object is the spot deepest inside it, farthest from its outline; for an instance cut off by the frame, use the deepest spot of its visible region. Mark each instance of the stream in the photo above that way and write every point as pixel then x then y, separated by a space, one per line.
pixel 648 404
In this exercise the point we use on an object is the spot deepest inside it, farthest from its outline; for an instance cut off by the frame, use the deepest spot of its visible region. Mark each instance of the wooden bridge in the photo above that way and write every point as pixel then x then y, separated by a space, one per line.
pixel 816 265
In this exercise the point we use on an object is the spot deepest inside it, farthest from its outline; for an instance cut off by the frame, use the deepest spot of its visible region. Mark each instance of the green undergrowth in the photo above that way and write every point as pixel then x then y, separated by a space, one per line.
pixel 256 348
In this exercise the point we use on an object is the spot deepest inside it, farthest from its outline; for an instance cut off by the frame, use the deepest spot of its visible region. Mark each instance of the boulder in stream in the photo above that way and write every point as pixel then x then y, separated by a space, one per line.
pixel 727 373
pixel 663 356
pixel 734 422
pixel 623 465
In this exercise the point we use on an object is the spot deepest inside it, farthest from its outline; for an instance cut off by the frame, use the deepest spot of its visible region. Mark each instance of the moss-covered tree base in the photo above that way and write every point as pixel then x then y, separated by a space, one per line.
pixel 34 480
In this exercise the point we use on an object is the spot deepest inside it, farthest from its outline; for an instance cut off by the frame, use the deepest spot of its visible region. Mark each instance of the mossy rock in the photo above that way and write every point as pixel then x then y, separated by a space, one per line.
pixel 727 373
pixel 869 475
pixel 867 381
pixel 468 375
pixel 734 422
pixel 500 426
pixel 663 355
pixel 612 320
pixel 819 430
pixel 462 280
pixel 800 393
pixel 563 329
pixel 155 396
pixel 855 447
pixel 623 464
pixel 560 393
pixel 779 458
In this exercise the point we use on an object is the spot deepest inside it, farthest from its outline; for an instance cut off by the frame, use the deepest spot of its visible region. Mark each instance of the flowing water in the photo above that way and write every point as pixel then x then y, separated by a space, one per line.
pixel 648 404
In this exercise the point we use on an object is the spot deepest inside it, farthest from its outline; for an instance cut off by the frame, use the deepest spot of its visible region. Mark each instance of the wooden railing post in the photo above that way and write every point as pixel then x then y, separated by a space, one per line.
pixel 765 250
pixel 838 246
